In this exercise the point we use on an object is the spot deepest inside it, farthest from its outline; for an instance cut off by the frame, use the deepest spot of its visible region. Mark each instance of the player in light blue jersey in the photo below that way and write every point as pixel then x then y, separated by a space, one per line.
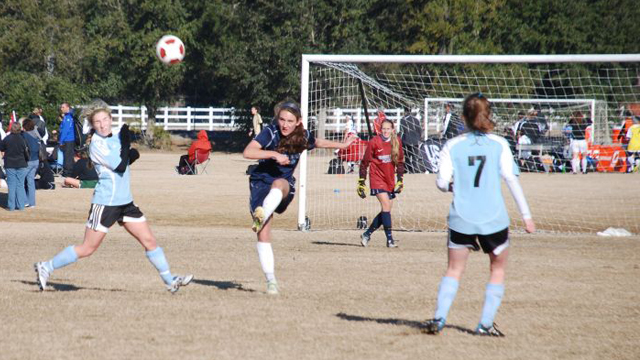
pixel 471 166
pixel 111 154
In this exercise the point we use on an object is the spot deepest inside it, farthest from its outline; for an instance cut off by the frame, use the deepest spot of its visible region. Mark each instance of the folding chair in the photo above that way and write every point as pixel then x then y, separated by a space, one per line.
pixel 202 159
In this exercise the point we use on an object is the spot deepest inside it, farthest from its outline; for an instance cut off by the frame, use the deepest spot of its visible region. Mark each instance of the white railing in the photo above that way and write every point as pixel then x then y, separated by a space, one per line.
pixel 177 118
pixel 337 119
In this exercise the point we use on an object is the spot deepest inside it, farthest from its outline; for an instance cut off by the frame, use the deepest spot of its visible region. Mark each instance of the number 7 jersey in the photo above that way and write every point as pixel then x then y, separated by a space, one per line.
pixel 475 163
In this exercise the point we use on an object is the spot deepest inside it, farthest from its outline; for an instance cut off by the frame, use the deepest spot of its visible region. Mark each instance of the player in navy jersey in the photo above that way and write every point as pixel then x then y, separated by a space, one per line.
pixel 111 154
pixel 278 148
pixel 471 166
pixel 385 159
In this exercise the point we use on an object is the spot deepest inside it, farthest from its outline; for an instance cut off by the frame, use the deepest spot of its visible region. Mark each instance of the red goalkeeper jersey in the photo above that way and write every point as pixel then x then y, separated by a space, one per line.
pixel 377 158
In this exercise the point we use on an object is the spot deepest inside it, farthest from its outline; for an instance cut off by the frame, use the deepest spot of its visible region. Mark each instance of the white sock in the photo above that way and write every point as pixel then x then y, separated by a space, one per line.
pixel 575 165
pixel 584 163
pixel 271 202
pixel 3 184
pixel 265 254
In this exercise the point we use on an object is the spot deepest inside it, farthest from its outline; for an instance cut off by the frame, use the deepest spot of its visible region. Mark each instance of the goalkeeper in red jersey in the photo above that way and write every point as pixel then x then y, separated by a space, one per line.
pixel 385 158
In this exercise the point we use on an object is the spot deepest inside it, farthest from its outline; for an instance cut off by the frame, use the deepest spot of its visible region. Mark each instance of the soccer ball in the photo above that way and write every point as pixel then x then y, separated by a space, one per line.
pixel 170 50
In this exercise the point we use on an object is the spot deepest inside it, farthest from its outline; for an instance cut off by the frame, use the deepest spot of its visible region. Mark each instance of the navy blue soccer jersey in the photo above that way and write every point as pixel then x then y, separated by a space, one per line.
pixel 268 169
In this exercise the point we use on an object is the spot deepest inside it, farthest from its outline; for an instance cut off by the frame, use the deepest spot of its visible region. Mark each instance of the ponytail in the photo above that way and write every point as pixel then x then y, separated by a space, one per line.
pixel 476 112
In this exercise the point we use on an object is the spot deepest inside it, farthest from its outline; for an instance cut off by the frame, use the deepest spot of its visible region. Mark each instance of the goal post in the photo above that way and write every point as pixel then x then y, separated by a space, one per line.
pixel 340 91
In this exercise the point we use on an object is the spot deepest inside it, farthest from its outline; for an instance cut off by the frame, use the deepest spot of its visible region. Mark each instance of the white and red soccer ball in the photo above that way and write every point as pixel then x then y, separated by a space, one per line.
pixel 170 50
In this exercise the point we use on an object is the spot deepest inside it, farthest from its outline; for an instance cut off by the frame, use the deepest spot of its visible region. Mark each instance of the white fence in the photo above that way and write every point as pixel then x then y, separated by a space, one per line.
pixel 177 118
pixel 226 119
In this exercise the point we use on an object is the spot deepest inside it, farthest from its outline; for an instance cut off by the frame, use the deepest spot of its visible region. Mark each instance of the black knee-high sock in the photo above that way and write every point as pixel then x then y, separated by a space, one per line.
pixel 386 222
pixel 375 224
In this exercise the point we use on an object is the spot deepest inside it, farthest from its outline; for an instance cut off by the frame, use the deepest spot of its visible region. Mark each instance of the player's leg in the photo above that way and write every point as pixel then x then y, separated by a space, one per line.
pixel 69 255
pixel 279 190
pixel 141 231
pixel 495 288
pixel 265 255
pixel 575 156
pixel 386 203
pixel 378 220
pixel 457 260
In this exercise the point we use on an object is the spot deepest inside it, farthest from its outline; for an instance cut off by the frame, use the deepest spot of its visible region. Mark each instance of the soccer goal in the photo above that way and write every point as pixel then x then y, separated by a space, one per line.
pixel 531 95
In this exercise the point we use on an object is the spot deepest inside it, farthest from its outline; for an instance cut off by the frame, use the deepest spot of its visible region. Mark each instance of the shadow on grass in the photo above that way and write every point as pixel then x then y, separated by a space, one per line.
pixel 65 287
pixel 420 325
pixel 334 243
pixel 222 285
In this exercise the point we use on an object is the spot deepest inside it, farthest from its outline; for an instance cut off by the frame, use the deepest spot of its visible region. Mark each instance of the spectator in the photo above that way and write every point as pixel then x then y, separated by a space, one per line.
pixel 84 175
pixel 578 142
pixel 453 126
pixel 518 123
pixel 32 137
pixel 257 120
pixel 186 161
pixel 40 123
pixel 633 147
pixel 16 154
pixel 46 180
pixel 377 122
pixel 67 138
pixel 3 179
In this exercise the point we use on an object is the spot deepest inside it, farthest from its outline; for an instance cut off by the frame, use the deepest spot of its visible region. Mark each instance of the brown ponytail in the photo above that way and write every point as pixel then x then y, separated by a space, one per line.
pixel 476 112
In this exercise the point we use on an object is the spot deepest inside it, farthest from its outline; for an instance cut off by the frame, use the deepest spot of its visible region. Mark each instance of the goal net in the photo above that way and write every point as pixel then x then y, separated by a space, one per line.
pixel 533 99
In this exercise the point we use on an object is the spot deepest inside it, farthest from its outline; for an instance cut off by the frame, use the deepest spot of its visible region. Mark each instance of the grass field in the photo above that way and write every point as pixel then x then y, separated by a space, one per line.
pixel 567 296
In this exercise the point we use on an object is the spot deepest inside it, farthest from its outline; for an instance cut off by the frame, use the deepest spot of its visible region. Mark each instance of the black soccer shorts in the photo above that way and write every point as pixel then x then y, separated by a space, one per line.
pixel 102 217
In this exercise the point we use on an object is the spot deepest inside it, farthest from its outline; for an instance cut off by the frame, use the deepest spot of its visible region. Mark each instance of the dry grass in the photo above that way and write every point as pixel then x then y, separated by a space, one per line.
pixel 568 297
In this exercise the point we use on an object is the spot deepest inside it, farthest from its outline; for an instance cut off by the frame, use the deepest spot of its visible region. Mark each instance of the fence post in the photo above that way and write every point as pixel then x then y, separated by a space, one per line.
pixel 233 117
pixel 119 115
pixel 143 117
pixel 166 118
pixel 210 118
pixel 189 118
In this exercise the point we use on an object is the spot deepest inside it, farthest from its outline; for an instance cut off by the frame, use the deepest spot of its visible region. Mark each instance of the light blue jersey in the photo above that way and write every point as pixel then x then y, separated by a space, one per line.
pixel 475 162
pixel 113 188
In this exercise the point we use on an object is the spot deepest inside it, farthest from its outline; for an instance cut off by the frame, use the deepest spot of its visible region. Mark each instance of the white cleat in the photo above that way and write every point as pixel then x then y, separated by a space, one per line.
pixel 272 287
pixel 43 275
pixel 178 282
pixel 364 239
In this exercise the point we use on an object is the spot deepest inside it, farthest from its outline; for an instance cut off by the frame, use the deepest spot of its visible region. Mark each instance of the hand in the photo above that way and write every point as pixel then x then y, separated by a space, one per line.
pixel 282 159
pixel 133 156
pixel 529 225
pixel 350 138
pixel 399 187
pixel 125 137
pixel 361 190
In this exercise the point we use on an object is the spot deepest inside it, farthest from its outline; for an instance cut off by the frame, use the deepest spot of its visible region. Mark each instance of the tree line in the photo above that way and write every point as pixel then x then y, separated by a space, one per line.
pixel 246 52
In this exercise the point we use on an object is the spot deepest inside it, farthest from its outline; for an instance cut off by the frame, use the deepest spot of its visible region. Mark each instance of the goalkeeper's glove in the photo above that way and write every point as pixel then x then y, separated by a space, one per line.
pixel 133 155
pixel 125 146
pixel 399 186
pixel 362 188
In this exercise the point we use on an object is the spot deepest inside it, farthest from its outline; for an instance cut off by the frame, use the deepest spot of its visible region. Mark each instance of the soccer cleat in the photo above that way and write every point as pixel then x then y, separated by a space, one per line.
pixel 43 275
pixel 391 244
pixel 365 239
pixel 258 219
pixel 178 282
pixel 434 326
pixel 272 287
pixel 490 331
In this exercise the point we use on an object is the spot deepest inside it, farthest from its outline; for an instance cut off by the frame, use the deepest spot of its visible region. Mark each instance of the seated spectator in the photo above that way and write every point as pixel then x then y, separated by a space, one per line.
pixel 84 175
pixel 187 161
pixel 3 179
pixel 45 180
